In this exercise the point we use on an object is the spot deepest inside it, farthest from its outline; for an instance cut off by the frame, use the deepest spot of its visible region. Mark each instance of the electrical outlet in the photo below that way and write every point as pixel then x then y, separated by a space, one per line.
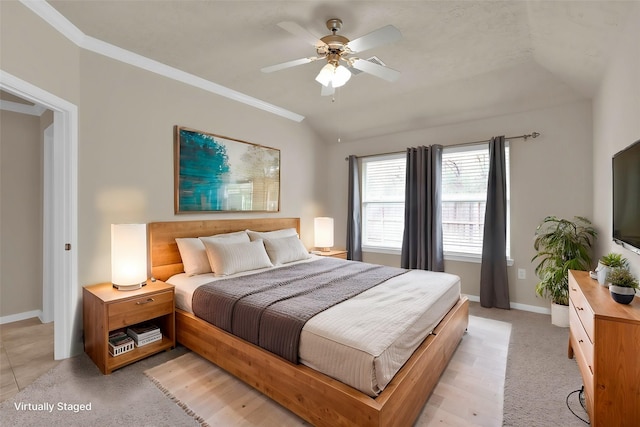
pixel 522 273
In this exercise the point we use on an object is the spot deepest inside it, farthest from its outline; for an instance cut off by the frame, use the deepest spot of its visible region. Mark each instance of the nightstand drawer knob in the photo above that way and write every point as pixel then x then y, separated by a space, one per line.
pixel 145 302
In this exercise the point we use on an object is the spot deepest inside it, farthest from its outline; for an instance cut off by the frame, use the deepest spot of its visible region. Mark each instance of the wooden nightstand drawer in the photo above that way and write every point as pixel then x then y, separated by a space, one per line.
pixel 137 310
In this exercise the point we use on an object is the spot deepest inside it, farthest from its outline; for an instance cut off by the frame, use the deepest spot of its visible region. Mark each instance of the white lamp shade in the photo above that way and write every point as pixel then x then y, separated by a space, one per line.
pixel 335 75
pixel 325 75
pixel 323 232
pixel 341 76
pixel 128 254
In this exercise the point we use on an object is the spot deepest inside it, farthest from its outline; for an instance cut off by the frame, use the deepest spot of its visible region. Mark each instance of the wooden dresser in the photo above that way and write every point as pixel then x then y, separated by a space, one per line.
pixel 605 339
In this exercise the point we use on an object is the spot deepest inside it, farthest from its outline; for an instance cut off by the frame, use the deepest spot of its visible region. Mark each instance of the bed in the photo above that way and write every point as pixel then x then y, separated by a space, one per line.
pixel 314 396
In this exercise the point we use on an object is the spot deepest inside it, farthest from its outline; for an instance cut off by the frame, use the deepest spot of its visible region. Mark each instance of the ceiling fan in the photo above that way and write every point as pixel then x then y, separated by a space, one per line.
pixel 337 49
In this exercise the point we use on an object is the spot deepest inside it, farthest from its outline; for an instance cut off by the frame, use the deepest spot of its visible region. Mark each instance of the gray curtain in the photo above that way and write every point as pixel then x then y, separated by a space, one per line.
pixel 494 285
pixel 422 240
pixel 354 225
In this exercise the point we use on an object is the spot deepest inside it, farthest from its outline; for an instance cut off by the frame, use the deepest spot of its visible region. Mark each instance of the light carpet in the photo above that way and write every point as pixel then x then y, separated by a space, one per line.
pixel 540 376
pixel 124 398
pixel 215 398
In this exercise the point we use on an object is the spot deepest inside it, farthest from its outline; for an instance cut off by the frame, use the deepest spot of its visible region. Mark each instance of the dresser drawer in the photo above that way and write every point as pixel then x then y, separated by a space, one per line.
pixel 583 350
pixel 136 310
pixel 579 305
pixel 582 345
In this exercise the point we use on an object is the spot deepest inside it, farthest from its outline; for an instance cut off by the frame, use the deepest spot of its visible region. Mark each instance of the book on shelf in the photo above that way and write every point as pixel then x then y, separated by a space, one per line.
pixel 143 330
pixel 147 340
pixel 116 337
pixel 144 333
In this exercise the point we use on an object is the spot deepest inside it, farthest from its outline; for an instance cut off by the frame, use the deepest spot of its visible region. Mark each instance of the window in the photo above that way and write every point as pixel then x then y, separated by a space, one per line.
pixel 383 179
pixel 464 194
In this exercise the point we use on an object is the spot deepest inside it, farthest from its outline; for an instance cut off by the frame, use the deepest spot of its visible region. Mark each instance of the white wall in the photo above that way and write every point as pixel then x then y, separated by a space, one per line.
pixel 616 124
pixel 550 175
pixel 21 214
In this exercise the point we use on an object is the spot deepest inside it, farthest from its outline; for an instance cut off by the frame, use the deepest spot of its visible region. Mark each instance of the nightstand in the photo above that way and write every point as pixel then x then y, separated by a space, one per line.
pixel 106 309
pixel 332 253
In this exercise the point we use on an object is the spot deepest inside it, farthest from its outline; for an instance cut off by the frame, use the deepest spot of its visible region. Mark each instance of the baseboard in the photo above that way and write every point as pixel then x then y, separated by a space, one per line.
pixel 532 308
pixel 518 306
pixel 21 316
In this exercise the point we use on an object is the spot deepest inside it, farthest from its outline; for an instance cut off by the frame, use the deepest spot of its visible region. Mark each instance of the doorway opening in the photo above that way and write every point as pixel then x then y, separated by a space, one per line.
pixel 60 258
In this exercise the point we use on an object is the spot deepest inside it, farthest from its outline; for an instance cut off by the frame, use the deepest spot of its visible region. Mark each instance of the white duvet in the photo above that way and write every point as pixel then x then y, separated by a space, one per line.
pixel 364 341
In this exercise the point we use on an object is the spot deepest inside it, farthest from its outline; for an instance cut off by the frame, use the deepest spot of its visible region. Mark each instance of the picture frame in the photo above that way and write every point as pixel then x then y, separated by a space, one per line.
pixel 215 173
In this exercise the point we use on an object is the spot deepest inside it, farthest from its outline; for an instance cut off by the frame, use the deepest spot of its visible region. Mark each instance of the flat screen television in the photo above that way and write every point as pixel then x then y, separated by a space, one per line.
pixel 626 197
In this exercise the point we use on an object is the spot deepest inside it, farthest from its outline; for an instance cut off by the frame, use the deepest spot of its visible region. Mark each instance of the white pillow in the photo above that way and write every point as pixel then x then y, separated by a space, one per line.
pixel 194 255
pixel 235 237
pixel 229 258
pixel 276 234
pixel 285 250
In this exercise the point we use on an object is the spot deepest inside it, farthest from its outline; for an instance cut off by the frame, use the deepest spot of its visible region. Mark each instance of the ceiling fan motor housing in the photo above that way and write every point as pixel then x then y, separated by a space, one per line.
pixel 335 44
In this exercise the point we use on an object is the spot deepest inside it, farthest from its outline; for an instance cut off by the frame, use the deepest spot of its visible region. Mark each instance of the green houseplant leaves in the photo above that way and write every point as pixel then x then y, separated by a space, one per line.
pixel 561 245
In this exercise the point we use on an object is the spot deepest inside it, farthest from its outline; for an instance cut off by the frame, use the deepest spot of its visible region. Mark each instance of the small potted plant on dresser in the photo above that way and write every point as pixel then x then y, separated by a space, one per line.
pixel 608 262
pixel 561 245
pixel 623 285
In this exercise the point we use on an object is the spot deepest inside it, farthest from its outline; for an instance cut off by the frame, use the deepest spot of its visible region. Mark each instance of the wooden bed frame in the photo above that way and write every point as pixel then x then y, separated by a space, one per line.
pixel 317 398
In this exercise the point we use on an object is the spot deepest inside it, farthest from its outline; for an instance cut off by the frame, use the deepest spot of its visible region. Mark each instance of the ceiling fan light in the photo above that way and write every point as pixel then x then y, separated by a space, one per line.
pixel 341 76
pixel 325 76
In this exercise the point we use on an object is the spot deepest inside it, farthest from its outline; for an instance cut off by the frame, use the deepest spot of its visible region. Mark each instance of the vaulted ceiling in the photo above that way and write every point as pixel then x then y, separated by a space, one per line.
pixel 459 60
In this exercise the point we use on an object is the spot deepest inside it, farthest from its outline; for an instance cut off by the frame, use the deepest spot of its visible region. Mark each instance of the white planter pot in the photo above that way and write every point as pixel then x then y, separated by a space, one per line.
pixel 602 272
pixel 560 315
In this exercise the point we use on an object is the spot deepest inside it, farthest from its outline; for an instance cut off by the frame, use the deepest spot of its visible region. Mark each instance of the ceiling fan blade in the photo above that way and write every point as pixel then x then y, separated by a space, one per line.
pixel 288 64
pixel 384 35
pixel 386 73
pixel 298 31
pixel 327 90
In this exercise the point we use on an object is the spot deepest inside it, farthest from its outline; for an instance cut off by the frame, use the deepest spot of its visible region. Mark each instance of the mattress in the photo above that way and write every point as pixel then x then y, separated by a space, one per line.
pixel 363 341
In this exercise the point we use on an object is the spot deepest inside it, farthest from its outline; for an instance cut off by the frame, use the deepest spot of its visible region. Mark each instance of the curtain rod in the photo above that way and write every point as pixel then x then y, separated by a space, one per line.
pixel 525 137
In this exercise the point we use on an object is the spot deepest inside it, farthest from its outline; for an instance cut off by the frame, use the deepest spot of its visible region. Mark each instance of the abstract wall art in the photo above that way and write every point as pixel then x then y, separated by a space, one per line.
pixel 214 173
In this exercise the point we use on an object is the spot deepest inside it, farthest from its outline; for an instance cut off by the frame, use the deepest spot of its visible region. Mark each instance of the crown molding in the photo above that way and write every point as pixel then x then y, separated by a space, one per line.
pixel 54 18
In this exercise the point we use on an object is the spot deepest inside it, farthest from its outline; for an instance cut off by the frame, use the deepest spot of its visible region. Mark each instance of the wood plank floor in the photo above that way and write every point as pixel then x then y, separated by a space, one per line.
pixel 471 389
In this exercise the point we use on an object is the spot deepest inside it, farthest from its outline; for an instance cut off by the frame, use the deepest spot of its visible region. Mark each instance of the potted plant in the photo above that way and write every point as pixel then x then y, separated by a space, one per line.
pixel 608 262
pixel 623 285
pixel 561 245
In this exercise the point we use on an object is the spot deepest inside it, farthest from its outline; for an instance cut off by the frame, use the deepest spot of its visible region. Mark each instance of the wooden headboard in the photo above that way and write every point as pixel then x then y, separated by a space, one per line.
pixel 163 250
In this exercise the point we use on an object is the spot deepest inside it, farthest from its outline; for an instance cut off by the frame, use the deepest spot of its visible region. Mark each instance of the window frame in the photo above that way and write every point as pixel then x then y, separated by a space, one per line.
pixel 364 202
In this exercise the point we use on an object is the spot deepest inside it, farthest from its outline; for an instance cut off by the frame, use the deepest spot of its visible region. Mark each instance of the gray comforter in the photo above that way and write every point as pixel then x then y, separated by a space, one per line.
pixel 270 308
